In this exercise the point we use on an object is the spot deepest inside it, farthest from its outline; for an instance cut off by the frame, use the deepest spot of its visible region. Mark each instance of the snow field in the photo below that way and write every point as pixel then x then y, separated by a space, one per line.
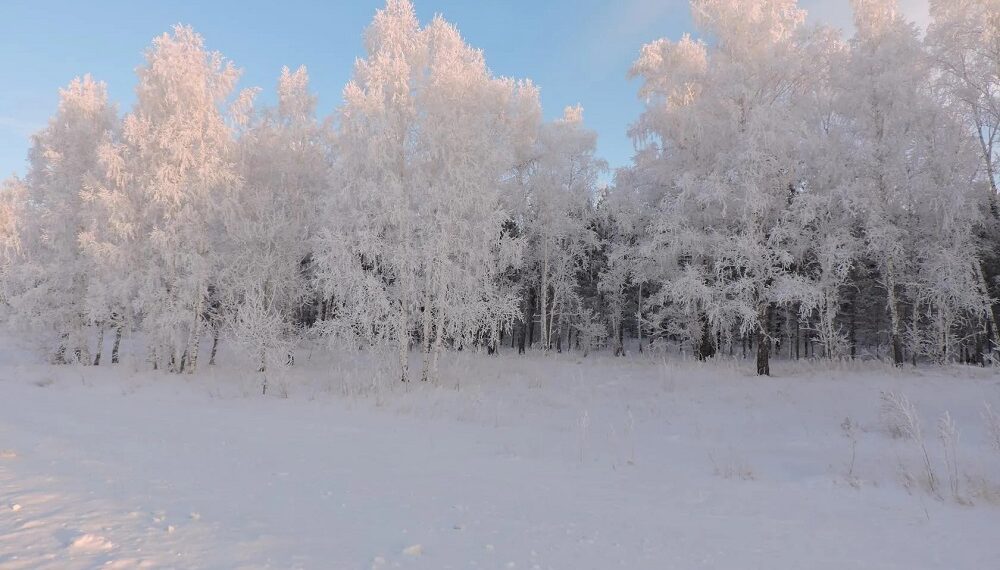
pixel 537 462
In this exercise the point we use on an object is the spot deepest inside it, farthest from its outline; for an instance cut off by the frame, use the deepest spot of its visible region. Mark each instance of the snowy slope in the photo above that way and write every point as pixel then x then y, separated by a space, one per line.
pixel 537 462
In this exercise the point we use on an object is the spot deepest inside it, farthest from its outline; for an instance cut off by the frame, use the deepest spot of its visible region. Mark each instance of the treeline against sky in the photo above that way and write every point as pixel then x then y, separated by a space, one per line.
pixel 792 192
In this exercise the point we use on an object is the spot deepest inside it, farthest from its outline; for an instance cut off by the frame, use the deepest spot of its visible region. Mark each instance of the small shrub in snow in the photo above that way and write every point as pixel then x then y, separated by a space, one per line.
pixel 948 434
pixel 902 421
pixel 900 416
pixel 732 467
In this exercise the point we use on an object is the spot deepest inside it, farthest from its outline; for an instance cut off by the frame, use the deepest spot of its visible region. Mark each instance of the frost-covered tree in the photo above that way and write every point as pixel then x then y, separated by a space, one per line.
pixel 620 267
pixel 721 130
pixel 13 219
pixel 821 224
pixel 283 161
pixel 784 181
pixel 912 180
pixel 964 41
pixel 52 288
pixel 555 220
pixel 415 228
pixel 166 179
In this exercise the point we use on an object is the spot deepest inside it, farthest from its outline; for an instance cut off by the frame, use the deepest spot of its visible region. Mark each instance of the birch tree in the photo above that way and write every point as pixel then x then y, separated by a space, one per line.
pixel 721 125
pixel 558 205
pixel 172 168
pixel 55 291
pixel 414 233
pixel 283 161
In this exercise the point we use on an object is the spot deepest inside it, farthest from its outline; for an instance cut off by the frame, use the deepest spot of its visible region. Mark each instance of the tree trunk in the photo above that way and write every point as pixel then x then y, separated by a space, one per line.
pixel 215 346
pixel 118 342
pixel 60 356
pixel 425 341
pixel 557 317
pixel 495 342
pixel 978 357
pixel 530 323
pixel 798 334
pixel 705 349
pixel 522 330
pixel 263 370
pixel 616 337
pixel 194 340
pixel 438 343
pixel 993 332
pixel 852 331
pixel 544 300
pixel 764 342
pixel 638 318
pixel 100 345
pixel 403 337
pixel 82 354
pixel 895 334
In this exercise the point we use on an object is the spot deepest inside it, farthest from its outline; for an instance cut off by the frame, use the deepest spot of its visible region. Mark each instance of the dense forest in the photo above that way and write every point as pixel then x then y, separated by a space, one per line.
pixel 794 193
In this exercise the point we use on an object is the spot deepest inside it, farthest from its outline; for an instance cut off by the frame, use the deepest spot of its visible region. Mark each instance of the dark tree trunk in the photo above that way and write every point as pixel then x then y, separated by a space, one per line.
pixel 529 321
pixel 558 330
pixel 116 345
pixel 100 346
pixel 215 347
pixel 989 340
pixel 798 337
pixel 60 356
pixel 524 332
pixel 980 347
pixel 706 349
pixel 897 350
pixel 764 343
pixel 852 331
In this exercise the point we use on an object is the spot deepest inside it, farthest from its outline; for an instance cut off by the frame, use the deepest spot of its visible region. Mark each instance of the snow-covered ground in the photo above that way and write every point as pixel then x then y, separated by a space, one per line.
pixel 535 462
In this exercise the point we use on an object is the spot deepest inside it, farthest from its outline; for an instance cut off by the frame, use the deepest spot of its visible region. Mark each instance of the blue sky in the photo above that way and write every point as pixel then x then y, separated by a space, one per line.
pixel 577 51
